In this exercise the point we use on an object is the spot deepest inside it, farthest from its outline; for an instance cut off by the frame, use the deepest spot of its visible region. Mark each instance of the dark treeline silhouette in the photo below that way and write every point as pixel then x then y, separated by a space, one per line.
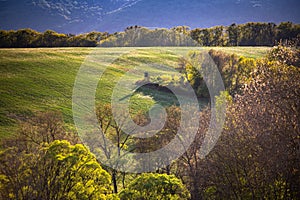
pixel 249 34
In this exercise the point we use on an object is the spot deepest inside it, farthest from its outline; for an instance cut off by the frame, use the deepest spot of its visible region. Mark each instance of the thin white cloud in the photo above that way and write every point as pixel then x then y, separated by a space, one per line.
pixel 82 11
pixel 129 4
pixel 66 8
pixel 256 4
pixel 94 8
pixel 75 21
pixel 65 16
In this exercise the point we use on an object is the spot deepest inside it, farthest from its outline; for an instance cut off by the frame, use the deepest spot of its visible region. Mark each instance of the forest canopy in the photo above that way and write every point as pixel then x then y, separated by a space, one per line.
pixel 249 34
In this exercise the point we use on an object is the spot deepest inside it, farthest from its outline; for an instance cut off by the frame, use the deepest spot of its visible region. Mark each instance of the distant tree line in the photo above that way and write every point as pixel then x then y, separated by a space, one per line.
pixel 30 38
pixel 249 34
pixel 141 36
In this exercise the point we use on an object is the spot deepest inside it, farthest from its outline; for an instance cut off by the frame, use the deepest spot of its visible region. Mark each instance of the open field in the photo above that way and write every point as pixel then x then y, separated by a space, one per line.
pixel 42 79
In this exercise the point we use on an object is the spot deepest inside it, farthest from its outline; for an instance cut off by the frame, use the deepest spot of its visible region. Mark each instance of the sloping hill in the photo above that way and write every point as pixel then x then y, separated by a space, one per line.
pixel 42 79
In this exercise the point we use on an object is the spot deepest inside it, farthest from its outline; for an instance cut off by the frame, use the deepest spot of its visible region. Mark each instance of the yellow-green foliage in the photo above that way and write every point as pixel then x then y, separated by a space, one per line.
pixel 58 171
pixel 155 186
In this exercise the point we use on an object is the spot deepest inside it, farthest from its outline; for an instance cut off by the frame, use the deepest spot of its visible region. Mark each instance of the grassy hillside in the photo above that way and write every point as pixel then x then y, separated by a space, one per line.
pixel 42 79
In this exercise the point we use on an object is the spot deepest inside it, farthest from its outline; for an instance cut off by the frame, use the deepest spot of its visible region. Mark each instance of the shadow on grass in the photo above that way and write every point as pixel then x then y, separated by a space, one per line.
pixel 162 95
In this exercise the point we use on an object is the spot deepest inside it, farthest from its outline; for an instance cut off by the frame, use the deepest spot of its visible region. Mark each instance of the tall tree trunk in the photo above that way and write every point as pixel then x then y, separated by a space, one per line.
pixel 195 194
pixel 114 180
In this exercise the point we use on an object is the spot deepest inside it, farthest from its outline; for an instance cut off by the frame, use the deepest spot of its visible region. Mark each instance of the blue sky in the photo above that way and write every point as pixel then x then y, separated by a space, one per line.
pixel 115 15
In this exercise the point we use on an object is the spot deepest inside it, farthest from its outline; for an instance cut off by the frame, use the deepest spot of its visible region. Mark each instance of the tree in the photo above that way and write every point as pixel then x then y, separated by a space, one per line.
pixel 189 166
pixel 218 37
pixel 191 67
pixel 5 40
pixel 235 71
pixel 258 152
pixel 74 172
pixel 19 38
pixel 205 37
pixel 25 37
pixel 36 165
pixel 155 186
pixel 242 74
pixel 96 36
pixel 160 139
pixel 266 34
pixel 55 171
pixel 195 35
pixel 112 131
pixel 285 55
pixel 45 127
pixel 285 31
pixel 233 35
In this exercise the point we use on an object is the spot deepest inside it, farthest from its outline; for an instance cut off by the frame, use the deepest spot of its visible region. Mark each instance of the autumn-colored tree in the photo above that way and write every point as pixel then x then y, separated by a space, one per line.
pixel 257 155
pixel 45 127
pixel 285 55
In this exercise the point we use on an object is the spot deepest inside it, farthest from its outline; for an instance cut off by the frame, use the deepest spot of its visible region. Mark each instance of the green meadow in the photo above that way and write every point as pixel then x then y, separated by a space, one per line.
pixel 40 79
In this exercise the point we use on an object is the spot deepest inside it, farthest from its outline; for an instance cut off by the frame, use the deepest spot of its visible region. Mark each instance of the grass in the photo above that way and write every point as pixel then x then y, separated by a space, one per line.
pixel 249 52
pixel 42 79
